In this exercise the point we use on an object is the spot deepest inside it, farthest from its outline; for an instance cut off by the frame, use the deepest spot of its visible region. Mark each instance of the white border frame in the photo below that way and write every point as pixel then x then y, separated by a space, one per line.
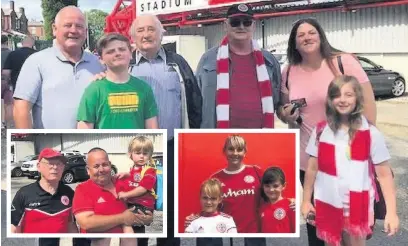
pixel 237 235
pixel 86 235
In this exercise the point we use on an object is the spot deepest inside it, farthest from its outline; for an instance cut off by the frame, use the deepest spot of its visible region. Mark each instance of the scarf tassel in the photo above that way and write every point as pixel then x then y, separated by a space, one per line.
pixel 359 231
pixel 330 238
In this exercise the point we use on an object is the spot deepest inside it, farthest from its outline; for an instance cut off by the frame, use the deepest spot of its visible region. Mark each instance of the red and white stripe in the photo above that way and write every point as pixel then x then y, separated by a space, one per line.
pixel 223 83
pixel 328 203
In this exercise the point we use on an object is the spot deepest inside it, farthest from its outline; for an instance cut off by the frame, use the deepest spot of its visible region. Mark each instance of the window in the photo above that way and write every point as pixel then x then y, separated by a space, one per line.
pixel 366 65
pixel 18 24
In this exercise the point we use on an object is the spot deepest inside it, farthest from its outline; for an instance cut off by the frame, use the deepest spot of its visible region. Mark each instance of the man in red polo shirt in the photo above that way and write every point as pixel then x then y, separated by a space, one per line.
pixel 44 206
pixel 96 206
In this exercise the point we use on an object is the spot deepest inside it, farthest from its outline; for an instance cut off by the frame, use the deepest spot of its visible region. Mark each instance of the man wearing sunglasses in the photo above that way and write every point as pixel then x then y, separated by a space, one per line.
pixel 239 82
pixel 240 86
pixel 45 205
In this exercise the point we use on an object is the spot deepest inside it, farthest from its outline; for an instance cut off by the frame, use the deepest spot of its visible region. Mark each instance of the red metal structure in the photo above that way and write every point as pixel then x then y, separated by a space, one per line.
pixel 124 12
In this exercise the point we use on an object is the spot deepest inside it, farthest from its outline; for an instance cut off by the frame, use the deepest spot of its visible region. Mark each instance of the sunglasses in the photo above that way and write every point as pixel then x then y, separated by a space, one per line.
pixel 236 22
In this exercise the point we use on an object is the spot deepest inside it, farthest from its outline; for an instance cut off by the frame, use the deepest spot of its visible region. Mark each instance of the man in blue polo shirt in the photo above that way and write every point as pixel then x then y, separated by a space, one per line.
pixel 52 81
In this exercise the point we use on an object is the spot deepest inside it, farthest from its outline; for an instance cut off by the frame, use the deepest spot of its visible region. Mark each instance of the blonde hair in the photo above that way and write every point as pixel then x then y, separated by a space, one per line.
pixel 141 143
pixel 211 187
pixel 334 91
pixel 235 141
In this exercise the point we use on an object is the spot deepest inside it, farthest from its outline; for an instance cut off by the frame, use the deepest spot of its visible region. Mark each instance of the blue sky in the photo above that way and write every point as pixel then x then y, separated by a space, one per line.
pixel 33 8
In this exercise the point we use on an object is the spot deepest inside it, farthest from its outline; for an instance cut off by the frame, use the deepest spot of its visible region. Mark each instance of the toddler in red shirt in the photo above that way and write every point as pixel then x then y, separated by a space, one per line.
pixel 275 214
pixel 136 188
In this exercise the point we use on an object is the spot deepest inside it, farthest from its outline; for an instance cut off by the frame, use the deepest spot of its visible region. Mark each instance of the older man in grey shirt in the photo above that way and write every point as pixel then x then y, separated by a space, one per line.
pixel 176 91
pixel 174 85
pixel 52 81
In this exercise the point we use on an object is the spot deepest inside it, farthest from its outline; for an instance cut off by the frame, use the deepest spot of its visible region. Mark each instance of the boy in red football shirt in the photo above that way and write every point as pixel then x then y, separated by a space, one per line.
pixel 137 186
pixel 275 214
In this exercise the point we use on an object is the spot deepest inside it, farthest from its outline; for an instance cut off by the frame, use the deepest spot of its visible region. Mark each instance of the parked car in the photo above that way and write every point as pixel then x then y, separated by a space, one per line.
pixel 29 168
pixel 383 81
pixel 75 169
pixel 16 166
pixel 69 153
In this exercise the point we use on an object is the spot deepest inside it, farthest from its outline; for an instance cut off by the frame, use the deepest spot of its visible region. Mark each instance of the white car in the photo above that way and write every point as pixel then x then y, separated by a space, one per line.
pixel 70 153
pixel 29 168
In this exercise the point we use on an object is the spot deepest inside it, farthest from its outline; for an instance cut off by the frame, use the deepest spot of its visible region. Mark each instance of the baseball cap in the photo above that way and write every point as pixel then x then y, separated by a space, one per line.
pixel 49 153
pixel 240 10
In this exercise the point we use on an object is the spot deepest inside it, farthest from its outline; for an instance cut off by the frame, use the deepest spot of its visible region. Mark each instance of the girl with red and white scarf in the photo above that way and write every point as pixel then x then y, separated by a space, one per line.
pixel 342 150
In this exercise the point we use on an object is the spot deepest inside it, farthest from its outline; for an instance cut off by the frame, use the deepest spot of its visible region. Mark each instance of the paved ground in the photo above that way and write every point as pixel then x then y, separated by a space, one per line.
pixel 392 121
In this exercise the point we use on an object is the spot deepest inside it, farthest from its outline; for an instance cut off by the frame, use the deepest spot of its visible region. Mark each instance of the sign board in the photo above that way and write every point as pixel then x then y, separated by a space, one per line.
pixel 159 7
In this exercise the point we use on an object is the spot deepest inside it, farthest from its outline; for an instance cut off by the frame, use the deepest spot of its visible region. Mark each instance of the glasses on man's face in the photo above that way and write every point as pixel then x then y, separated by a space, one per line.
pixel 236 22
pixel 53 163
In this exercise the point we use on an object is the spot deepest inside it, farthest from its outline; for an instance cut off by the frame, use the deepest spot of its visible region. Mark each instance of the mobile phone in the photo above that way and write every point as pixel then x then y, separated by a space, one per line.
pixel 311 217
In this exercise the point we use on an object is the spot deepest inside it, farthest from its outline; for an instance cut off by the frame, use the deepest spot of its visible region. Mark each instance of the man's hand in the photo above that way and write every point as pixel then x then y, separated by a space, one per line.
pixel 145 218
pixel 129 217
pixel 99 76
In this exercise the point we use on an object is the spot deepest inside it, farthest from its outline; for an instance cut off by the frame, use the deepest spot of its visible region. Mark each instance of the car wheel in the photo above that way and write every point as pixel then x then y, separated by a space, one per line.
pixel 398 87
pixel 17 172
pixel 68 178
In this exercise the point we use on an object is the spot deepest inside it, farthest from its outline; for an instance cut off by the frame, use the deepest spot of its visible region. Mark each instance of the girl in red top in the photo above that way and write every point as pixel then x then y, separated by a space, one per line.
pixel 275 214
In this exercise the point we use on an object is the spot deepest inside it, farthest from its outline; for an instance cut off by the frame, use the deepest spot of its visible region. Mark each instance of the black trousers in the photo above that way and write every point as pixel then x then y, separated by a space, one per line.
pixel 218 241
pixel 311 230
pixel 170 240
pixel 141 241
pixel 51 242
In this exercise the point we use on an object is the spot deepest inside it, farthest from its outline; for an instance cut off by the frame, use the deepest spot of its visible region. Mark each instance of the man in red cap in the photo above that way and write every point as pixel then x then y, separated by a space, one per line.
pixel 45 205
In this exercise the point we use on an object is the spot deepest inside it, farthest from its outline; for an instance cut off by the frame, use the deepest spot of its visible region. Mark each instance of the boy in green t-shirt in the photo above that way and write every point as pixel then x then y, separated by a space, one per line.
pixel 119 101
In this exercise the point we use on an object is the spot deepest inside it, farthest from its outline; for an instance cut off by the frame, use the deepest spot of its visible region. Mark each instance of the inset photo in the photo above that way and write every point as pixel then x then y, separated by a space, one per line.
pixel 104 183
pixel 237 183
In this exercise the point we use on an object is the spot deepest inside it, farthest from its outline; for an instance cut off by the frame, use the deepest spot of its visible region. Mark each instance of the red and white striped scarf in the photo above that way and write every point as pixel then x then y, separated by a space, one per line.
pixel 223 86
pixel 328 203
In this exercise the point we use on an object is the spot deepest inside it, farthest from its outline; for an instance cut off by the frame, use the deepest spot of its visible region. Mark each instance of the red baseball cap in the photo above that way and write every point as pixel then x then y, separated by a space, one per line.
pixel 49 153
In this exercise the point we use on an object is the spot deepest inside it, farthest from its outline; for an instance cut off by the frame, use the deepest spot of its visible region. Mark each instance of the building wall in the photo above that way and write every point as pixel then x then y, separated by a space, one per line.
pixel 375 32
pixel 115 144
pixel 37 31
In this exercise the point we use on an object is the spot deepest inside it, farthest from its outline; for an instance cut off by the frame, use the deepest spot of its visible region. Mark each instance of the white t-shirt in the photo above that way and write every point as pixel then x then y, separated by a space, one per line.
pixel 378 153
pixel 217 223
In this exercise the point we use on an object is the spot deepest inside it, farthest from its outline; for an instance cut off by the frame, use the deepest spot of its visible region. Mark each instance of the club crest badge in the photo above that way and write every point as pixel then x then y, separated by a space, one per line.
pixel 137 177
pixel 279 213
pixel 65 200
pixel 249 179
pixel 221 227
pixel 242 8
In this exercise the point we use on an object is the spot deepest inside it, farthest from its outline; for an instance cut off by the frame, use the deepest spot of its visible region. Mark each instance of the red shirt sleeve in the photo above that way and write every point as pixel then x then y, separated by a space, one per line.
pixel 82 200
pixel 149 179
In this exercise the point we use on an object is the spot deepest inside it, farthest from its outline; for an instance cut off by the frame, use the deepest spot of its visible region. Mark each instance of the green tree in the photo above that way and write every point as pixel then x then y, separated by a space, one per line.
pixel 50 9
pixel 96 24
